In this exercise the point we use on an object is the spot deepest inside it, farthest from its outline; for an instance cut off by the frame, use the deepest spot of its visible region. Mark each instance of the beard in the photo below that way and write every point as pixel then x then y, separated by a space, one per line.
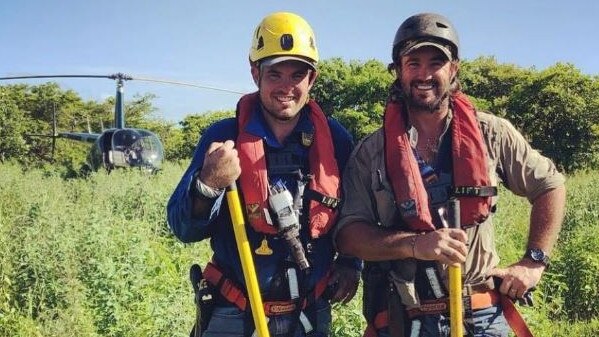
pixel 416 103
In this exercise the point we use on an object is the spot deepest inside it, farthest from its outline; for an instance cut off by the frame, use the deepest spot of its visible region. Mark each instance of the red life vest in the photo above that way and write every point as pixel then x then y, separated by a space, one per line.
pixel 469 158
pixel 254 177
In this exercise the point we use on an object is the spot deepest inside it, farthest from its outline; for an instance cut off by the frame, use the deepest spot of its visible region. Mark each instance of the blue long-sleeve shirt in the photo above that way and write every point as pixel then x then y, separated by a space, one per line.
pixel 218 225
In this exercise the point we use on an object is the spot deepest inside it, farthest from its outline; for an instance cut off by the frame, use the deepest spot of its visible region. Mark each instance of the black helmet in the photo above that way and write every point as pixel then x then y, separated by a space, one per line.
pixel 426 29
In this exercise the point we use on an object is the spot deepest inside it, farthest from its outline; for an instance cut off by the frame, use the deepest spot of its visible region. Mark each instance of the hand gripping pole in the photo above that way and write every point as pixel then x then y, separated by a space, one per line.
pixel 247 263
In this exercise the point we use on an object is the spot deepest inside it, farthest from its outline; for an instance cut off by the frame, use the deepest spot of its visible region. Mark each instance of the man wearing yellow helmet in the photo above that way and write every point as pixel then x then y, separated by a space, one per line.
pixel 283 46
pixel 286 156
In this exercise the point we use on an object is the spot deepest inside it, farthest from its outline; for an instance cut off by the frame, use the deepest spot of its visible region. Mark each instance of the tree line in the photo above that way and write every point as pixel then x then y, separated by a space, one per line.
pixel 557 109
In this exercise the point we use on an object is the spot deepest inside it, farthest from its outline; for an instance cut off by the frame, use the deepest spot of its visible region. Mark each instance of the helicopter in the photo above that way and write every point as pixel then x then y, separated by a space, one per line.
pixel 119 146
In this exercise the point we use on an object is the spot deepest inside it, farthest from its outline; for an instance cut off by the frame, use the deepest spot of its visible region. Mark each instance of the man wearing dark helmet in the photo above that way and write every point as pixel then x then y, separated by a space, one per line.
pixel 435 150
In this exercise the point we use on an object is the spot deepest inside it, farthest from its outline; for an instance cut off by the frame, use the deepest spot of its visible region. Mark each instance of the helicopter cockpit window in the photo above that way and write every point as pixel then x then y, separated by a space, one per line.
pixel 136 148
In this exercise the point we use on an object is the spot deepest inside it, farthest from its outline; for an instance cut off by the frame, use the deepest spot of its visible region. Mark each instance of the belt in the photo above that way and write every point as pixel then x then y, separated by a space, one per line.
pixel 476 301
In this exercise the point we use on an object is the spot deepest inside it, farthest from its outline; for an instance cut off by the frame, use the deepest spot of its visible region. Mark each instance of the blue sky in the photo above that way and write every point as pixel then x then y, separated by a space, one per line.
pixel 207 42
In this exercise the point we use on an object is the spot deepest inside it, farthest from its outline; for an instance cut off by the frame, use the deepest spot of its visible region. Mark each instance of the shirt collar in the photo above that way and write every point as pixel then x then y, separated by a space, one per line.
pixel 413 133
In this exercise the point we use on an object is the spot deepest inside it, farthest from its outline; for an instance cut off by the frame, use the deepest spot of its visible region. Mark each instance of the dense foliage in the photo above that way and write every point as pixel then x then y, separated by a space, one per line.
pixel 557 109
pixel 95 257
pixel 354 93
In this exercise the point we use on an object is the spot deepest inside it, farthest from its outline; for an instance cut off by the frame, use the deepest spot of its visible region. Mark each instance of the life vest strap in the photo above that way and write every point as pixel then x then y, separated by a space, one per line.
pixel 227 288
pixel 475 191
pixel 328 201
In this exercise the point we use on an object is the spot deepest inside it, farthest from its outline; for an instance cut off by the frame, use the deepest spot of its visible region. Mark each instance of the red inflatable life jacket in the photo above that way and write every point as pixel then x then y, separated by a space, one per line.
pixel 254 178
pixel 469 157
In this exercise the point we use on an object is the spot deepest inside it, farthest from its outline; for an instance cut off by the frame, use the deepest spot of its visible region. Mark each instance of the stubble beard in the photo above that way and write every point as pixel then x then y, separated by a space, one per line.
pixel 279 117
pixel 415 103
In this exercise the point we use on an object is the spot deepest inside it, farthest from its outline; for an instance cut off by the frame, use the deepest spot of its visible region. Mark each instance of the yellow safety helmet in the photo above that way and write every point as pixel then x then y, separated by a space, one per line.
pixel 284 36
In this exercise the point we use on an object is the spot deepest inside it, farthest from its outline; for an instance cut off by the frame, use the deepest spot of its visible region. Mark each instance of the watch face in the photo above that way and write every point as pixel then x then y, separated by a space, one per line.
pixel 537 255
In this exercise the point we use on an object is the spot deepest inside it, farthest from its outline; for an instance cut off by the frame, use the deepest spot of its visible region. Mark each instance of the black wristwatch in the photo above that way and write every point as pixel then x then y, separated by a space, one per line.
pixel 537 255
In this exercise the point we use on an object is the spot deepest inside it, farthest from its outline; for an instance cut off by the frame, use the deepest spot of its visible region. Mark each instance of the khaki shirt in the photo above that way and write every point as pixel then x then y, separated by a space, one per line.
pixel 368 196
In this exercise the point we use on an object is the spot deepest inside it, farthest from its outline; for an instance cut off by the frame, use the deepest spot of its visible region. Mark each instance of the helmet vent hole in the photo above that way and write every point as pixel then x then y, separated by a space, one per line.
pixel 260 43
pixel 286 42
pixel 440 25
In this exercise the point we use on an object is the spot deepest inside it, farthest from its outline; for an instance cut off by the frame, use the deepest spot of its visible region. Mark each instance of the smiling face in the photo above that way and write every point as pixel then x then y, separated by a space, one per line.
pixel 284 89
pixel 426 76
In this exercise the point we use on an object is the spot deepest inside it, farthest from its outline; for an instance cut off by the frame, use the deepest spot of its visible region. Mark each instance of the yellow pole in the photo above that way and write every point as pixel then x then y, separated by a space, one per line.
pixel 456 313
pixel 247 263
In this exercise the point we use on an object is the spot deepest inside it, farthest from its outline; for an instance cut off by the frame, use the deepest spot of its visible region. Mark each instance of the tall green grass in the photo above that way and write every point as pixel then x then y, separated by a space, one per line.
pixel 91 257
pixel 95 257
pixel 567 298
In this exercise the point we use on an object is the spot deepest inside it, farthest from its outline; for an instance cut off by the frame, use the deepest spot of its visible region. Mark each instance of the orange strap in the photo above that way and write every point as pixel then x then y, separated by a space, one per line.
pixel 225 286
pixel 478 301
pixel 513 318
pixel 233 294
pixel 381 320
pixel 434 307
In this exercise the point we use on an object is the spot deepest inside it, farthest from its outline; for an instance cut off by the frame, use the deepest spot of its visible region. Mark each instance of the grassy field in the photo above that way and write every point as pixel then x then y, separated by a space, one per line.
pixel 95 257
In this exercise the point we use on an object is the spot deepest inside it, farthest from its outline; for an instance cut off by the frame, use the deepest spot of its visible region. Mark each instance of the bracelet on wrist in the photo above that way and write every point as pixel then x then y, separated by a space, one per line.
pixel 413 240
pixel 207 191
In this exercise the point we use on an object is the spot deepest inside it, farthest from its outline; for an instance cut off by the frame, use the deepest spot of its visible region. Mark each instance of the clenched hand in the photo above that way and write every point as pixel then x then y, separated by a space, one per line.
pixel 221 165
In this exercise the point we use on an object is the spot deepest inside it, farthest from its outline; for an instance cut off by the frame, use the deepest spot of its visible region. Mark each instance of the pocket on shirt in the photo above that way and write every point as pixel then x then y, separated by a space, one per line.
pixel 384 198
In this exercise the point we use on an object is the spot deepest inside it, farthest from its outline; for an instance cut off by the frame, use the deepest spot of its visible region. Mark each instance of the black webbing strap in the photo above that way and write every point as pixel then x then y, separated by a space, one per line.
pixel 329 202
pixel 474 191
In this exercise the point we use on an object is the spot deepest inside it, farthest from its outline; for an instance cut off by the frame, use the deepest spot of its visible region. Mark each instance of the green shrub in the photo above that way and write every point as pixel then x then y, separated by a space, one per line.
pixel 572 280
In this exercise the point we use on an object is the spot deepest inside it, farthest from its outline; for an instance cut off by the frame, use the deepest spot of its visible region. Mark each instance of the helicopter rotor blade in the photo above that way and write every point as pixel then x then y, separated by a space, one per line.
pixel 125 77
pixel 54 76
pixel 186 84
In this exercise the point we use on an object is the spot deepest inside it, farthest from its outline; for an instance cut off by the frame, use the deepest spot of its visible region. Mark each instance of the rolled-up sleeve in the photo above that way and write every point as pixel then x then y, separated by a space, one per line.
pixel 525 170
